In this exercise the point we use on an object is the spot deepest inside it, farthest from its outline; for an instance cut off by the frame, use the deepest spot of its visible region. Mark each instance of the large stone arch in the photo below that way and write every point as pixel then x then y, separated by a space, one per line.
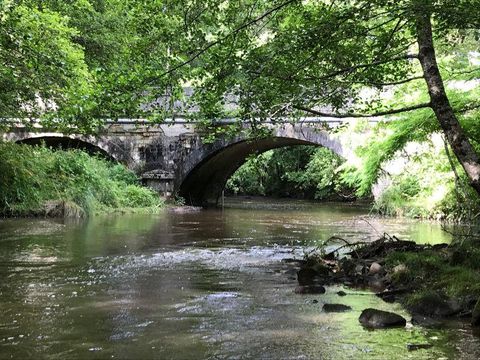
pixel 206 170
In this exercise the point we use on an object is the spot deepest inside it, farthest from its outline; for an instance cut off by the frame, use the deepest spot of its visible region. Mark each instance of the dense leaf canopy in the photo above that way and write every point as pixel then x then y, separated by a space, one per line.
pixel 73 64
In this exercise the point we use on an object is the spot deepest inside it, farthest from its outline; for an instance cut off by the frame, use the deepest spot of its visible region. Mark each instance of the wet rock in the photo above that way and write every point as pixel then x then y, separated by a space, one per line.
pixel 373 318
pixel 426 321
pixel 314 301
pixel 62 209
pixel 341 293
pixel 435 305
pixel 400 268
pixel 321 269
pixel 390 295
pixel 347 266
pixel 376 282
pixel 336 308
pixel 310 289
pixel 413 347
pixel 359 269
pixel 476 314
pixel 375 268
pixel 184 209
pixel 307 276
pixel 389 298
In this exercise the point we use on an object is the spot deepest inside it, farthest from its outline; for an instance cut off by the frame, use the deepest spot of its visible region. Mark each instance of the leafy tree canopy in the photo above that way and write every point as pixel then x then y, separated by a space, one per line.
pixel 73 64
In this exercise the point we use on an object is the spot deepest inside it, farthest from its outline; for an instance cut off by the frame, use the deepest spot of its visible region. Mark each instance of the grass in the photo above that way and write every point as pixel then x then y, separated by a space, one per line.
pixel 453 271
pixel 34 178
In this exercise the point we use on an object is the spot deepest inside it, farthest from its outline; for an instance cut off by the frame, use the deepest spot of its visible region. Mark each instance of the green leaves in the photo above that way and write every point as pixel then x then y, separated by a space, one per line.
pixel 43 71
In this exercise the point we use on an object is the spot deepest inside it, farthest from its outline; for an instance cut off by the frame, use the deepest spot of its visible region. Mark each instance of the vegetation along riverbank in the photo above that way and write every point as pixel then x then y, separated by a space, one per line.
pixel 435 283
pixel 37 181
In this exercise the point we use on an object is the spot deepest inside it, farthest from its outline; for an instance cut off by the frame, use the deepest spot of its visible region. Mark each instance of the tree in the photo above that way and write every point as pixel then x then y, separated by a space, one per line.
pixel 42 70
pixel 277 59
pixel 73 64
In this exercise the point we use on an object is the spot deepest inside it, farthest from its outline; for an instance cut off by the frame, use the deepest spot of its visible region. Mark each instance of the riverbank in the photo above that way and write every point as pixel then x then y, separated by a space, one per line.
pixel 433 283
pixel 38 181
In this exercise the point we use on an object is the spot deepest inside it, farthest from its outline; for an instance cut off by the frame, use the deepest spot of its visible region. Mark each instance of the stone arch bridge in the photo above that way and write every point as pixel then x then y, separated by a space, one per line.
pixel 173 159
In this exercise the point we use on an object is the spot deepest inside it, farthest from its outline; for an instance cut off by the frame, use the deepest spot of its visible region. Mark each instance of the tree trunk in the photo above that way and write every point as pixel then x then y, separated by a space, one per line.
pixel 461 146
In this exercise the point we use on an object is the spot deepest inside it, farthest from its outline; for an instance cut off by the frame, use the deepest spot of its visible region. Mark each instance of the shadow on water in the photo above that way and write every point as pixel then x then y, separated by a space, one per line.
pixel 208 284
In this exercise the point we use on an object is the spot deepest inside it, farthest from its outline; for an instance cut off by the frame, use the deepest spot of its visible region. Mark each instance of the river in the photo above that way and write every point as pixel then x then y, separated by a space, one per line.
pixel 207 284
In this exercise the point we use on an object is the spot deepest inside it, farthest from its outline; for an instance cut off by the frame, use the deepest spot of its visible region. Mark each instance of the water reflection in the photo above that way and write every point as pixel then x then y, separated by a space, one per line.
pixel 207 284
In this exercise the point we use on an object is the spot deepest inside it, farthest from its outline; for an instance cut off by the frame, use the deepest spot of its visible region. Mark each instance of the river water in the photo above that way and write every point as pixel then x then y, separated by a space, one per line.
pixel 193 285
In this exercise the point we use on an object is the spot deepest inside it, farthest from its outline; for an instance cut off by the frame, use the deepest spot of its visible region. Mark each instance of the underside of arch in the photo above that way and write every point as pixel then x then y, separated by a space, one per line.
pixel 65 143
pixel 204 184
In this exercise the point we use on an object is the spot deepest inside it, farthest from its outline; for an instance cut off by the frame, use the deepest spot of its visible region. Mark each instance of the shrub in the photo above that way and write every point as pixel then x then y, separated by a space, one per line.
pixel 31 176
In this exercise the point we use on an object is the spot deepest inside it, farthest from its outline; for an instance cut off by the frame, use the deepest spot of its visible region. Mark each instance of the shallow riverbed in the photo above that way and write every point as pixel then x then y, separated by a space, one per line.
pixel 194 285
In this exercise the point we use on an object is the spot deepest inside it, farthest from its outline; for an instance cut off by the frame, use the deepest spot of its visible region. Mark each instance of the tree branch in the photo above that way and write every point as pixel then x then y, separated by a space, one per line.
pixel 356 115
pixel 216 42
pixel 393 83
pixel 363 66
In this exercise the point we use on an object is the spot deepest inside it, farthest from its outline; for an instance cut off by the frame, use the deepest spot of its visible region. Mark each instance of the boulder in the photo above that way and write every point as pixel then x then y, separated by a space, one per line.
pixel 373 318
pixel 375 268
pixel 307 276
pixel 336 308
pixel 435 304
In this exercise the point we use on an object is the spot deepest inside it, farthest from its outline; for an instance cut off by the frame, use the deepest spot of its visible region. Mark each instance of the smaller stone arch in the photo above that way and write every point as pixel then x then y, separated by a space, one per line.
pixel 90 144
pixel 65 143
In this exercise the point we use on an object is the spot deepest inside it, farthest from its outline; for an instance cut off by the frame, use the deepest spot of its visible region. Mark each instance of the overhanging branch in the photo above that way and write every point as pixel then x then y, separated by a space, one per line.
pixel 363 66
pixel 356 115
pixel 216 42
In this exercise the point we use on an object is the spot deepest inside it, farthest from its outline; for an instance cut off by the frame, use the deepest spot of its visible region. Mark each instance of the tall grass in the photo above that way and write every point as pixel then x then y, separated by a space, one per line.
pixel 31 177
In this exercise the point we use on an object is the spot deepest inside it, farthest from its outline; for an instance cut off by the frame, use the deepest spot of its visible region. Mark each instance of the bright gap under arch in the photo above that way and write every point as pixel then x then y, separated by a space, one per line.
pixel 203 185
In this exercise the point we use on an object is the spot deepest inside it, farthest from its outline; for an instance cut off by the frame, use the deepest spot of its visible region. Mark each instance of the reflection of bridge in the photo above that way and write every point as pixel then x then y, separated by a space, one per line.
pixel 173 159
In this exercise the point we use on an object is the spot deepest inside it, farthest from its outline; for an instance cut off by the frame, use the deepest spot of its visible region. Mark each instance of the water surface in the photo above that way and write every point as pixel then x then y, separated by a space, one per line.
pixel 208 284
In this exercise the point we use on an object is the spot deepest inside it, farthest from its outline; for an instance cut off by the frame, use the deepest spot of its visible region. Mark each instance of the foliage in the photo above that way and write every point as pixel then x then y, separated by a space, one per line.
pixel 300 171
pixel 42 68
pixel 71 64
pixel 285 59
pixel 453 272
pixel 31 176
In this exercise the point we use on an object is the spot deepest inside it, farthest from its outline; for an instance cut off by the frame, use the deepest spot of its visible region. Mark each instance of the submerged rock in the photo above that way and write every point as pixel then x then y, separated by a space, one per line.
pixel 341 293
pixel 412 347
pixel 373 318
pixel 310 289
pixel 336 308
